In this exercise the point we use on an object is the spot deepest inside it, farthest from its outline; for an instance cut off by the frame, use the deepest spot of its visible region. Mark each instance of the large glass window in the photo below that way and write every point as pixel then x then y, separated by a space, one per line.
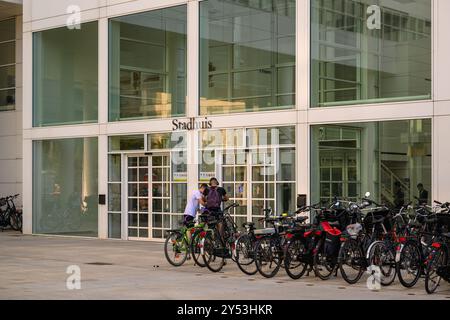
pixel 392 160
pixel 7 64
pixel 247 55
pixel 65 187
pixel 65 76
pixel 370 51
pixel 148 65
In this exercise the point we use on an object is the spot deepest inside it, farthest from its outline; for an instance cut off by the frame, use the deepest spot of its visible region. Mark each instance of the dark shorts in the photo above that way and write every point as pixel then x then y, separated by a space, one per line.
pixel 187 219
pixel 216 212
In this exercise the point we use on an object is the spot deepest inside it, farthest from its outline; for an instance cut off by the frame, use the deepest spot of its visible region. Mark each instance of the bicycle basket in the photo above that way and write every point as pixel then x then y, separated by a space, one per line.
pixel 354 229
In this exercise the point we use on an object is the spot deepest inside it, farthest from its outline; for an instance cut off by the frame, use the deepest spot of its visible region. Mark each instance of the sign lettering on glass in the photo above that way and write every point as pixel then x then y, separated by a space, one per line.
pixel 191 124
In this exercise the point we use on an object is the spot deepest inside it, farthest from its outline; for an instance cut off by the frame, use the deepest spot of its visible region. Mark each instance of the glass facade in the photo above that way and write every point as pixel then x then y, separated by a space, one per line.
pixel 65 76
pixel 389 159
pixel 370 51
pixel 65 187
pixel 7 64
pixel 361 52
pixel 148 65
pixel 247 55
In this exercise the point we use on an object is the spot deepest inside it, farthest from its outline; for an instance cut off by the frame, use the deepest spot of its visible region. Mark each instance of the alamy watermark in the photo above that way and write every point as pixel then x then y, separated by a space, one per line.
pixel 73 281
pixel 74 19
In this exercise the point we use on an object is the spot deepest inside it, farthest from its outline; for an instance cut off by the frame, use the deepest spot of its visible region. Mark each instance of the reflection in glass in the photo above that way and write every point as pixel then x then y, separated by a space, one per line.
pixel 247 55
pixel 129 142
pixel 354 61
pixel 65 186
pixel 65 75
pixel 397 160
pixel 148 64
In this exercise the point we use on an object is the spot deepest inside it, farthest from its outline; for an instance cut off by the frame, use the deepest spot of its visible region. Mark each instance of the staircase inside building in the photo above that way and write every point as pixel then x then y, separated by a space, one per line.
pixel 388 181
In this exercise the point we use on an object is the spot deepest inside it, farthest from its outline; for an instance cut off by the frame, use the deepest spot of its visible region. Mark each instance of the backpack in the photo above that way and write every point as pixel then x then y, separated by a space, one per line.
pixel 214 199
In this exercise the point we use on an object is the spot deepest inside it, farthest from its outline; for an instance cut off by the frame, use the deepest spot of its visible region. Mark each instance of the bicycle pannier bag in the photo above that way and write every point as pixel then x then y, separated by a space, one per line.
pixel 332 245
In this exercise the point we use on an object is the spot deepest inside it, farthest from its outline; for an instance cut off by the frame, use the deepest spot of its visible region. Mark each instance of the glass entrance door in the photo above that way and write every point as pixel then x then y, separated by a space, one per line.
pixel 339 174
pixel 148 193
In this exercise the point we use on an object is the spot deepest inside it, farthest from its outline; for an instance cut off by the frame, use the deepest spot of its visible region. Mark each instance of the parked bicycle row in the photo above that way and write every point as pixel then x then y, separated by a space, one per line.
pixel 10 216
pixel 343 237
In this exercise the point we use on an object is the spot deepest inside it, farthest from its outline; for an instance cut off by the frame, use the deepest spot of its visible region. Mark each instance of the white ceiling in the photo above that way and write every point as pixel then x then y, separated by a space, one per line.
pixel 9 9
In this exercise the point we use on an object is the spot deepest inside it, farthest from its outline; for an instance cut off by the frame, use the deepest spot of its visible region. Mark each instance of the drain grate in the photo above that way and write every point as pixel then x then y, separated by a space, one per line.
pixel 100 263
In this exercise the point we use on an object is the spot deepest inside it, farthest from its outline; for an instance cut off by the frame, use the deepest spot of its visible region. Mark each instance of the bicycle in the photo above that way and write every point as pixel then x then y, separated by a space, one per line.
pixel 438 266
pixel 271 245
pixel 216 247
pixel 10 216
pixel 382 253
pixel 197 234
pixel 359 236
pixel 330 223
pixel 179 241
pixel 245 246
pixel 300 247
pixel 416 246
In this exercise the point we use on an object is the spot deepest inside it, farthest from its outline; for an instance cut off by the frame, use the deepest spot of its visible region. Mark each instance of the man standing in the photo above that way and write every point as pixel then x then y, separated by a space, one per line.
pixel 193 203
pixel 215 195
pixel 423 195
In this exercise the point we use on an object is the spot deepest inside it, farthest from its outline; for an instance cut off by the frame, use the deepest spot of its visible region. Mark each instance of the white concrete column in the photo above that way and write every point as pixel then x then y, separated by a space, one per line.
pixel 103 185
pixel 302 159
pixel 441 157
pixel 192 99
pixel 103 70
pixel 27 186
pixel 302 79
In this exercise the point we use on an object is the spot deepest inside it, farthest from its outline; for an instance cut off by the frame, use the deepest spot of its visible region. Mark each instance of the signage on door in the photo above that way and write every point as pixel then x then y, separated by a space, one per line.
pixel 180 176
pixel 191 124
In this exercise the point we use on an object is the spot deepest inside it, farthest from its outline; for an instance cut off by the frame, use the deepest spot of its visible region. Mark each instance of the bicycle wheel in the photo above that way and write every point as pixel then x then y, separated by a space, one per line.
pixel 176 249
pixel 351 261
pixel 432 279
pixel 15 221
pixel 213 250
pixel 294 262
pixel 383 257
pixel 323 265
pixel 409 267
pixel 196 248
pixel 267 259
pixel 245 255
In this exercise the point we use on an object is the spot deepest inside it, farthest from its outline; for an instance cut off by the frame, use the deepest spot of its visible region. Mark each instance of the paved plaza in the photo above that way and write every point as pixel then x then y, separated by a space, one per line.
pixel 35 267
